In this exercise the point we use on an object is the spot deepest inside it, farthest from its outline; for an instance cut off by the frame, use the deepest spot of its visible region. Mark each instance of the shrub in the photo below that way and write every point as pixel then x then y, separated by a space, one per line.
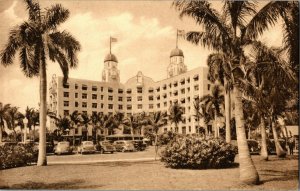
pixel 167 137
pixel 17 155
pixel 198 153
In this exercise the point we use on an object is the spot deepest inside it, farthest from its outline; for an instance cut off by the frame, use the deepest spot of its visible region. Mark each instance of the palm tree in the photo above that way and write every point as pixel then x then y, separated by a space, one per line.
pixel 3 117
pixel 199 112
pixel 131 122
pixel 213 104
pixel 228 32
pixel 219 65
pixel 176 112
pixel 13 119
pixel 74 122
pixel 86 120
pixel 157 120
pixel 63 124
pixel 38 38
pixel 119 119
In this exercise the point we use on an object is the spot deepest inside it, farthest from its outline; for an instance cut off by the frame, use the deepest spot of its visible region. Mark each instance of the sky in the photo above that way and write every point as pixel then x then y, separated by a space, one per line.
pixel 146 33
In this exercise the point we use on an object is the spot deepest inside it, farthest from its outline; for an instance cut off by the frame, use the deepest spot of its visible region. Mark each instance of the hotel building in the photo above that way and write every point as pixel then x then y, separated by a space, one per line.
pixel 140 93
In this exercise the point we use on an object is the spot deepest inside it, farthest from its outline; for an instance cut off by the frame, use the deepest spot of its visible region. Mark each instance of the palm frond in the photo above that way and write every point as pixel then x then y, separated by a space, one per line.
pixel 54 16
pixel 33 10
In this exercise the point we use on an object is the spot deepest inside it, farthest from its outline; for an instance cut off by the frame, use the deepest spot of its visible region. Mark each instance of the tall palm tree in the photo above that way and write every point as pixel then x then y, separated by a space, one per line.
pixel 219 70
pixel 85 121
pixel 3 117
pixel 228 32
pixel 119 119
pixel 132 122
pixel 74 122
pixel 36 39
pixel 63 124
pixel 176 112
pixel 157 120
pixel 213 105
pixel 13 119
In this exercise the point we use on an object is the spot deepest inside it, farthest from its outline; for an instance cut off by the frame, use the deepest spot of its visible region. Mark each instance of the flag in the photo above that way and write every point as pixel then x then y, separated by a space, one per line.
pixel 113 39
pixel 180 33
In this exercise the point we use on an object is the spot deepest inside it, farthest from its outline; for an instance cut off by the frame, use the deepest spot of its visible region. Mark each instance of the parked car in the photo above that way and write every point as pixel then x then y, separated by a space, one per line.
pixel 139 145
pixel 105 146
pixel 87 147
pixel 254 146
pixel 124 146
pixel 272 147
pixel 63 147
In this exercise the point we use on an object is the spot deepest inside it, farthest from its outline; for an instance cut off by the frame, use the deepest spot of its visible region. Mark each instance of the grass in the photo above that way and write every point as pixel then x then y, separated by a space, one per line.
pixel 276 174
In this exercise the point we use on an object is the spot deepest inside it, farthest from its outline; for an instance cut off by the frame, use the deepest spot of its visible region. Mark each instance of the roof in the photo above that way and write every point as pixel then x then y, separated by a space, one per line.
pixel 176 52
pixel 110 57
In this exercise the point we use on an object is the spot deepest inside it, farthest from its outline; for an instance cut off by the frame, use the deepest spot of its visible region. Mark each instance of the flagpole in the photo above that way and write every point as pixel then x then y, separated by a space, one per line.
pixel 177 39
pixel 110 45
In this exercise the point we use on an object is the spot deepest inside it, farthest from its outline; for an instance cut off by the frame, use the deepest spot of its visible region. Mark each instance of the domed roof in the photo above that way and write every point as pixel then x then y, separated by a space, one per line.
pixel 110 57
pixel 176 52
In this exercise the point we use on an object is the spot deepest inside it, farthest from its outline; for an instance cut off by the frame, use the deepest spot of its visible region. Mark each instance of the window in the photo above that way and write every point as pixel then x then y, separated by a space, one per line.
pixel 84 87
pixel 129 107
pixel 150 98
pixel 165 96
pixel 94 88
pixel 84 104
pixel 184 130
pixel 158 105
pixel 140 106
pixel 66 86
pixel 158 97
pixel 84 96
pixel 208 86
pixel 120 107
pixel 182 91
pixel 110 90
pixel 182 81
pixel 76 104
pixel 196 87
pixel 150 90
pixel 188 80
pixel 120 91
pixel 66 103
pixel 76 130
pixel 76 86
pixel 101 89
pixel 188 89
pixel 102 96
pixel 66 112
pixel 150 106
pixel 165 104
pixel 196 78
pixel 158 89
pixel 76 95
pixel 94 105
pixel 139 90
pixel 190 129
pixel 94 96
pixel 66 94
pixel 189 99
pixel 102 105
pixel 165 130
pixel 110 98
pixel 110 106
pixel 175 84
pixel 176 93
pixel 120 98
pixel 129 99
pixel 164 87
pixel 140 98
pixel 128 91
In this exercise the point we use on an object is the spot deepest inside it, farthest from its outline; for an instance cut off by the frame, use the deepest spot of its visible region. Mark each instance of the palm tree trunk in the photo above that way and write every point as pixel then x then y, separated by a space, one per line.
pixel 227 114
pixel 279 151
pixel 216 126
pixel 248 172
pixel 42 160
pixel 156 146
pixel 264 150
pixel 33 132
pixel 25 134
pixel 1 131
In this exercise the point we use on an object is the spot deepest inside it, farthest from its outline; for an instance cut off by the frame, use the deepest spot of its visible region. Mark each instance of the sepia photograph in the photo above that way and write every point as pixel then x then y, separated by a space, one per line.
pixel 149 95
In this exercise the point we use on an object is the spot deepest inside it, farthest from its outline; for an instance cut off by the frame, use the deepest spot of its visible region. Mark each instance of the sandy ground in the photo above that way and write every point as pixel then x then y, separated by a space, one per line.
pixel 276 174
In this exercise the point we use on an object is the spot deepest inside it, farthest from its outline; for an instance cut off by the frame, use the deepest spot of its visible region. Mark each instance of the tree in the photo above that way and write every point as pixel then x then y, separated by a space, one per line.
pixel 74 122
pixel 157 120
pixel 86 120
pixel 200 112
pixel 36 39
pixel 213 104
pixel 219 70
pixel 3 117
pixel 13 119
pixel 131 122
pixel 228 32
pixel 176 112
pixel 118 119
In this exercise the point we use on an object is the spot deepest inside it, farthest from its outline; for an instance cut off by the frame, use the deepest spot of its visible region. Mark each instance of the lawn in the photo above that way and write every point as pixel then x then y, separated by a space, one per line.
pixel 276 174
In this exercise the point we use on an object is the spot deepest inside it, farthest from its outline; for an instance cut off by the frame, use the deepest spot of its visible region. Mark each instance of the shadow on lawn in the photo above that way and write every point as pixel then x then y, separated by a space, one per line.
pixel 275 175
pixel 73 184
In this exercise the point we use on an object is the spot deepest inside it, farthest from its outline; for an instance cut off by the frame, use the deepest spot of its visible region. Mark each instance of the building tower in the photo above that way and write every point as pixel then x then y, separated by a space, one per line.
pixel 110 71
pixel 176 65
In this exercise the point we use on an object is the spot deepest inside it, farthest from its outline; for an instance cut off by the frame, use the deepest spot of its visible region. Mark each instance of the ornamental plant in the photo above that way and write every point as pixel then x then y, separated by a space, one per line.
pixel 196 152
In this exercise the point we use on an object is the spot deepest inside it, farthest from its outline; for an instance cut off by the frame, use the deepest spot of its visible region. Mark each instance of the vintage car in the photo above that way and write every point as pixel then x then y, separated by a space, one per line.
pixel 139 145
pixel 86 147
pixel 124 146
pixel 105 146
pixel 63 147
pixel 254 146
